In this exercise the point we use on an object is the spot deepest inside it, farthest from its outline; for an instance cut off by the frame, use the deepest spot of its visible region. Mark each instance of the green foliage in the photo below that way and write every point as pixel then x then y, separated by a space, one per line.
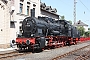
pixel 82 30
pixel 88 28
pixel 62 18
pixel 70 21
pixel 87 34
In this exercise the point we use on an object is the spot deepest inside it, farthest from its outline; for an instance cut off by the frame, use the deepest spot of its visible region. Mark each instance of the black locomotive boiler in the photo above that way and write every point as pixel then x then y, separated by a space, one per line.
pixel 44 32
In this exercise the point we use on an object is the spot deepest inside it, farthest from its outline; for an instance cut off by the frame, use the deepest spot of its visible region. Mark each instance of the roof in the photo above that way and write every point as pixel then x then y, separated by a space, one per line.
pixel 47 8
pixel 50 12
pixel 80 23
pixel 54 10
pixel 42 5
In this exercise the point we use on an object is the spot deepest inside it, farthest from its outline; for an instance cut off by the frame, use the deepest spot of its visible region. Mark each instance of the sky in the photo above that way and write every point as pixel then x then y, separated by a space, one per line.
pixel 66 8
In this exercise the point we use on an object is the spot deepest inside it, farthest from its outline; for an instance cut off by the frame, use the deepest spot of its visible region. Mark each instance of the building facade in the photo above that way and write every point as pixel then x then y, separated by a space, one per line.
pixel 80 23
pixel 13 13
pixel 22 9
pixel 48 11
pixel 4 24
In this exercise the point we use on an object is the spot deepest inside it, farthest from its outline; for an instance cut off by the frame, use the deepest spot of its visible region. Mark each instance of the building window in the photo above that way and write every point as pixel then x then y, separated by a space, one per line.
pixel 34 5
pixel 20 28
pixel 28 10
pixel 5 1
pixel 21 0
pixel 28 3
pixel 21 8
pixel 20 31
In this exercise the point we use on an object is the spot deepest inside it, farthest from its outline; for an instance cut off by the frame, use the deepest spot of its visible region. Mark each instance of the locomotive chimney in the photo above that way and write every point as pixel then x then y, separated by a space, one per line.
pixel 33 12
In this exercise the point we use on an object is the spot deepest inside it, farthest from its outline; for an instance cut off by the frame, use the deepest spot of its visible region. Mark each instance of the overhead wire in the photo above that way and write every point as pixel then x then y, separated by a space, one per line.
pixel 84 5
pixel 86 8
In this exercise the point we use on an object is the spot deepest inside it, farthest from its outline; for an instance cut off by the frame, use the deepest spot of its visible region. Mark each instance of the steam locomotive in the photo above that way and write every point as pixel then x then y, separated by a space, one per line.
pixel 45 32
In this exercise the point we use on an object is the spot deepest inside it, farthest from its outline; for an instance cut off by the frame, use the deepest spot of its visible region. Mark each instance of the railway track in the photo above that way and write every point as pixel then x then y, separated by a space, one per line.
pixel 12 54
pixel 16 54
pixel 84 56
pixel 78 54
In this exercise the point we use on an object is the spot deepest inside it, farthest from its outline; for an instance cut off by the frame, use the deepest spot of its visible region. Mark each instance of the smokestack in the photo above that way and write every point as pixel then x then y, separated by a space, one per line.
pixel 33 12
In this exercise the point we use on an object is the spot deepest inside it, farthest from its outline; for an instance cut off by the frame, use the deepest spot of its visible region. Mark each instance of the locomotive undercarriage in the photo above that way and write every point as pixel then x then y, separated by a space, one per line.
pixel 59 41
pixel 31 44
pixel 54 42
pixel 49 42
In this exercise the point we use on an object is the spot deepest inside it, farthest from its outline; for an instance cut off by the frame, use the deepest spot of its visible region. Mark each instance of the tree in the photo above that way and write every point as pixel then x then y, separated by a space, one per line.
pixel 82 30
pixel 62 18
pixel 87 34
pixel 70 21
pixel 88 28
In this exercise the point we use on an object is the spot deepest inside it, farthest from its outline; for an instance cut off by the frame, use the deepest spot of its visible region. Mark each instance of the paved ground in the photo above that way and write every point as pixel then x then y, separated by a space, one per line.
pixel 49 54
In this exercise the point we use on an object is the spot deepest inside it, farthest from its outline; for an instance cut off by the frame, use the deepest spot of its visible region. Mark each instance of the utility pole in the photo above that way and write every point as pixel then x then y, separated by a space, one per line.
pixel 74 13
